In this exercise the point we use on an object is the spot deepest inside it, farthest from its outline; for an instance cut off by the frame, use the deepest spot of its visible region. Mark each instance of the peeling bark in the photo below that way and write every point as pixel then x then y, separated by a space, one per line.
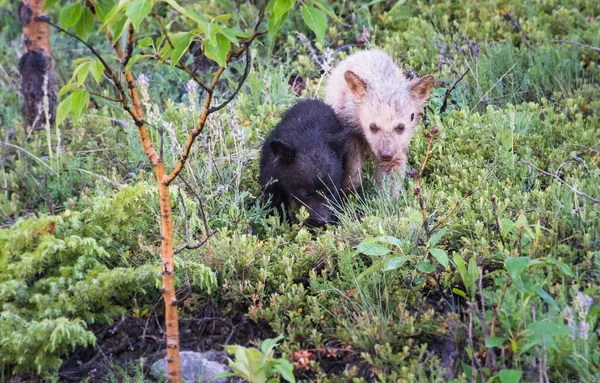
pixel 37 78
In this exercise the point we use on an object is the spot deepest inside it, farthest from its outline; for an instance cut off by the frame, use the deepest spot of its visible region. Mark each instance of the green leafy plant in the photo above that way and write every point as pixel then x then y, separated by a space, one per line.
pixel 259 366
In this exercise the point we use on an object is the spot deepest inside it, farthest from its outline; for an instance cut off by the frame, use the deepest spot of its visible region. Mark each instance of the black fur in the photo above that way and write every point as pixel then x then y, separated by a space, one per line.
pixel 302 160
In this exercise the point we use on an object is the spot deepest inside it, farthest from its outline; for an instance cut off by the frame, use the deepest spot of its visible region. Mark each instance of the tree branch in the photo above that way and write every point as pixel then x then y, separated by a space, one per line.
pixel 128 48
pixel 180 65
pixel 206 111
pixel 448 91
pixel 556 177
pixel 240 84
pixel 597 49
pixel 109 73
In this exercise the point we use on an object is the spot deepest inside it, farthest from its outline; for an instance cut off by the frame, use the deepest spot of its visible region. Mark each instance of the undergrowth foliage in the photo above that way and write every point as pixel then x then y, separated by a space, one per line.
pixel 60 274
pixel 501 287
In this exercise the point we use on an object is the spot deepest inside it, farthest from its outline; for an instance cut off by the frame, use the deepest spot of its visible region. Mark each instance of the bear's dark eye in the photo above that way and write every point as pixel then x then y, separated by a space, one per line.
pixel 302 193
pixel 412 116
pixel 400 128
pixel 374 128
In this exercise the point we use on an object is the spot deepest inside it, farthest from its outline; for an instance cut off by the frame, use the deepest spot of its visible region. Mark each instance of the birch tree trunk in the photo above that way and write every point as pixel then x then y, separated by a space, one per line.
pixel 37 78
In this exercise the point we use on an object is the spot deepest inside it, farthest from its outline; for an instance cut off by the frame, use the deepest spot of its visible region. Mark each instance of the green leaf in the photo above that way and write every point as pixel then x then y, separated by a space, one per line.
pixel 394 263
pixel 426 267
pixel 316 21
pixel 67 88
pixel 328 9
pixel 440 255
pixel 97 70
pixel 69 15
pixel 63 110
pixel 506 226
pixel 286 369
pixel 222 18
pixel 510 376
pixel 548 330
pixel 415 216
pixel 459 292
pixel 275 24
pixel 240 33
pixel 189 14
pixel 118 28
pixel 137 11
pixel 370 270
pixel 230 34
pixel 516 265
pixel 103 8
pixel 435 238
pixel 282 7
pixel 80 100
pixel 145 42
pixel 372 249
pixel 462 269
pixel 391 240
pixel 49 4
pixel 494 342
pixel 216 49
pixel 81 72
pixel 547 298
pixel 135 59
pixel 85 25
pixel 211 30
pixel 268 345
pixel 181 42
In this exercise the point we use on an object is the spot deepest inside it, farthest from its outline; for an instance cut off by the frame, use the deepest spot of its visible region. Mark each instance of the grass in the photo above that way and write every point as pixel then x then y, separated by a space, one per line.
pixel 343 316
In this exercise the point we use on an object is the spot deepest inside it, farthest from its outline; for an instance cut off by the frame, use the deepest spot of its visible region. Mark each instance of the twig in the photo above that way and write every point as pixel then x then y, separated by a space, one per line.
pixel 105 97
pixel 107 71
pixel 474 360
pixel 240 84
pixel 180 65
pixel 556 177
pixel 495 212
pixel 187 236
pixel 128 48
pixel 449 90
pixel 597 49
pixel 204 219
pixel 497 309
pixel 196 245
pixel 206 319
pixel 508 17
pixel 490 360
pixel 439 223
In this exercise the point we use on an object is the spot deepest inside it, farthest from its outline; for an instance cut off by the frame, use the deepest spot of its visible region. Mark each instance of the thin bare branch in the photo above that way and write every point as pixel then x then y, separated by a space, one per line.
pixel 556 177
pixel 128 48
pixel 240 84
pixel 449 90
pixel 597 49
pixel 440 222
pixel 204 219
pixel 105 97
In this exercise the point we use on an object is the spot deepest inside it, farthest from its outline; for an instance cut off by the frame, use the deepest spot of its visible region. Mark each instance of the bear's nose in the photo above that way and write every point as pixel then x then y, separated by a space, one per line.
pixel 386 156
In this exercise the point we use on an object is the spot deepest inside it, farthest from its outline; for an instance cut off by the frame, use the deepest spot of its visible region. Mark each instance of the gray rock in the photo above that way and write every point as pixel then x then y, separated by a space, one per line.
pixel 196 367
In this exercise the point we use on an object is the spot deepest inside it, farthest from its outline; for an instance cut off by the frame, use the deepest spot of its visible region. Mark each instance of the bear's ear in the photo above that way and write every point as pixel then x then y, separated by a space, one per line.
pixel 284 153
pixel 357 85
pixel 421 87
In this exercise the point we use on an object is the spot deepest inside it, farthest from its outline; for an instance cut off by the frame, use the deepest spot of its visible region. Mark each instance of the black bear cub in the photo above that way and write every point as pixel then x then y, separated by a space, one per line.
pixel 302 161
